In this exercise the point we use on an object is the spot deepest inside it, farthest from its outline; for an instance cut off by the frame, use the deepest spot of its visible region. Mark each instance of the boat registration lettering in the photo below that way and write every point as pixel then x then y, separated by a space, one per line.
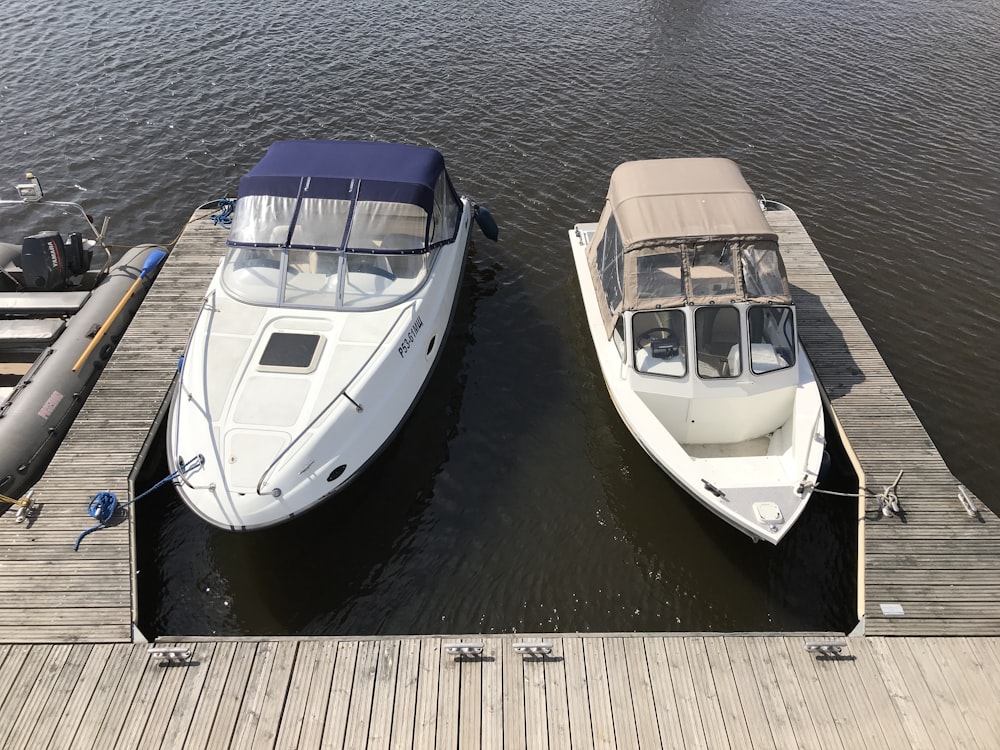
pixel 410 337
pixel 50 406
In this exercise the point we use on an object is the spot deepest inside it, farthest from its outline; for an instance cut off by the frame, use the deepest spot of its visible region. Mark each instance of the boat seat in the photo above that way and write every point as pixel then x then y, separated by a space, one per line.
pixel 41 304
pixel 25 334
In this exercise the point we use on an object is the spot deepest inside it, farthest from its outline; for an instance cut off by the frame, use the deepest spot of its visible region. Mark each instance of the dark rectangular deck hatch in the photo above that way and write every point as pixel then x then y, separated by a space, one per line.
pixel 290 350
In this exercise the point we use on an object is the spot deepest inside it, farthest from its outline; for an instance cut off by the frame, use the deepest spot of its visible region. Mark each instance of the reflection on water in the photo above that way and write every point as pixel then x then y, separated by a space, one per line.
pixel 515 498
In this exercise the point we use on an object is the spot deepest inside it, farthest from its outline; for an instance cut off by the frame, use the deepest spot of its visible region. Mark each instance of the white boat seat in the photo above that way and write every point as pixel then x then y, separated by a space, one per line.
pixel 645 362
pixel 20 334
pixel 707 367
pixel 764 358
pixel 41 303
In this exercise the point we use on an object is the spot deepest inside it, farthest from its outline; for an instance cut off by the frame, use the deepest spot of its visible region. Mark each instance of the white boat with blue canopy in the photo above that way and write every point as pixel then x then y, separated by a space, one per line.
pixel 694 324
pixel 321 327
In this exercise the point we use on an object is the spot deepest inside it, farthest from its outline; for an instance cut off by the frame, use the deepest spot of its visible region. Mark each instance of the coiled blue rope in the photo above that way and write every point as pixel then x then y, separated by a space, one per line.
pixel 103 505
pixel 225 215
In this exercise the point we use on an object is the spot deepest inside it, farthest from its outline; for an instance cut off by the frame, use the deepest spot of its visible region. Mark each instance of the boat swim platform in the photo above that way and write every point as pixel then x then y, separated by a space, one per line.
pixel 75 672
pixel 588 692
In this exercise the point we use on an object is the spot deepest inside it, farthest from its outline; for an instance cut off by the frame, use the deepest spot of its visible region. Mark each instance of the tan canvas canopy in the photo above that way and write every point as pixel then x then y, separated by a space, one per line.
pixel 683 231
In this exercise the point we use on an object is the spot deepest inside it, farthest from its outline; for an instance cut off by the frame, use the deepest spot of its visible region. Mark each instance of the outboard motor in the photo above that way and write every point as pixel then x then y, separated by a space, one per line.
pixel 78 257
pixel 43 262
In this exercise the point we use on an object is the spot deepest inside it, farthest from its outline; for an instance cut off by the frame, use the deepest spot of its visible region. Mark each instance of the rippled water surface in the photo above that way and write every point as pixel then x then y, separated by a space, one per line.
pixel 515 499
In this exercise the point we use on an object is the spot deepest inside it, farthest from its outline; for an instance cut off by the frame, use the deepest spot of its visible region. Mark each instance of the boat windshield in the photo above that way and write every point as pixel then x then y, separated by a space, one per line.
pixel 659 342
pixel 772 338
pixel 323 279
pixel 339 224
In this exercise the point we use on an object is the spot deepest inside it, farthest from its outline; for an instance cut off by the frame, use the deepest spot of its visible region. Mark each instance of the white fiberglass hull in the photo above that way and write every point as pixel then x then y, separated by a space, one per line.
pixel 277 443
pixel 760 486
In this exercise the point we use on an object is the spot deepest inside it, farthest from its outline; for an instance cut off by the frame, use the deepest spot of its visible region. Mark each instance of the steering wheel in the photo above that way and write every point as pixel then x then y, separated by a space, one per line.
pixel 374 271
pixel 265 262
pixel 370 267
pixel 647 338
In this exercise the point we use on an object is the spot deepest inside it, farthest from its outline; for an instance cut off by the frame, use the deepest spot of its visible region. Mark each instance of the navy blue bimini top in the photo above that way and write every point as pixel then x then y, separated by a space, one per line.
pixel 393 172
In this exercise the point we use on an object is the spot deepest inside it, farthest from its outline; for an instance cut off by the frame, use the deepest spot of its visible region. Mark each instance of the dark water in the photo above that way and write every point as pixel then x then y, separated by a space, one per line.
pixel 515 499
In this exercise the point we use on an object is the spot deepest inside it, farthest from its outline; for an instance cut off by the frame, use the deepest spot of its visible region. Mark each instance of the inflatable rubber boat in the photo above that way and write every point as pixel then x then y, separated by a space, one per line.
pixel 64 305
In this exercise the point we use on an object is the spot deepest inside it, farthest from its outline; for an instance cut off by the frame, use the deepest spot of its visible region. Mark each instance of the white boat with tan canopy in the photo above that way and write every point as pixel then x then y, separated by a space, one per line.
pixel 694 325
pixel 321 326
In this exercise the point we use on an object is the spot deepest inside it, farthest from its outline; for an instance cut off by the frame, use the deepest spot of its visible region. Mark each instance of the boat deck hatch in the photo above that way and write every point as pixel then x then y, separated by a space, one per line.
pixel 291 352
pixel 768 513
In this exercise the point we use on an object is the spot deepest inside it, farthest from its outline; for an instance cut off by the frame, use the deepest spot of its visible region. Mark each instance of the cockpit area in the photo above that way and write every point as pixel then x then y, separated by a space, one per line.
pixel 711 340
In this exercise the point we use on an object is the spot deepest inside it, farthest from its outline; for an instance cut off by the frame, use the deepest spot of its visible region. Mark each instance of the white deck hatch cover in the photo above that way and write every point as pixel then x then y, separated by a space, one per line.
pixel 768 513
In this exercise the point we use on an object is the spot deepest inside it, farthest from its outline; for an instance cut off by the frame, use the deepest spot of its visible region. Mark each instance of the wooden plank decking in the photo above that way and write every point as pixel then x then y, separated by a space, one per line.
pixel 48 592
pixel 70 676
pixel 592 692
pixel 935 560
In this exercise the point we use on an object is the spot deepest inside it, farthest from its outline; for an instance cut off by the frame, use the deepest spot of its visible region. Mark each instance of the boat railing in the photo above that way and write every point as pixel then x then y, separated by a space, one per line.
pixel 207 304
pixel 343 392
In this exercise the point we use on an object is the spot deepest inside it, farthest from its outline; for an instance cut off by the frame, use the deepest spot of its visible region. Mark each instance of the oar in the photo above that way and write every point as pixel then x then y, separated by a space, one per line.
pixel 152 261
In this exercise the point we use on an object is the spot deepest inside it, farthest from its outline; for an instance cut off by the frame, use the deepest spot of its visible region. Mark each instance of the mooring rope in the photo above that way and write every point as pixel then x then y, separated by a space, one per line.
pixel 103 505
pixel 888 498
pixel 225 215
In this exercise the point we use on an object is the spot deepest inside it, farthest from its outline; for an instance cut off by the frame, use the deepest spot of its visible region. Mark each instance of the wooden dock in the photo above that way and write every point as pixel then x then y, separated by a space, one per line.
pixel 50 593
pixel 590 693
pixel 74 672
pixel 934 563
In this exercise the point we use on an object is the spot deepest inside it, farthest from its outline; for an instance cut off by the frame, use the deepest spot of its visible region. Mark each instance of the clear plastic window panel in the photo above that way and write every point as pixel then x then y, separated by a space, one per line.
pixel 253 274
pixel 610 262
pixel 321 222
pixel 763 271
pixel 659 276
pixel 772 338
pixel 717 333
pixel 376 281
pixel 311 278
pixel 262 219
pixel 378 225
pixel 659 342
pixel 712 270
pixel 446 211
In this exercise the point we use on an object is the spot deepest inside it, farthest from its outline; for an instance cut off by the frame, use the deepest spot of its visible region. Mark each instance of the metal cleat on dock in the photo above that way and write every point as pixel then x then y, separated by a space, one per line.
pixel 968 503
pixel 533 649
pixel 169 654
pixel 23 504
pixel 888 500
pixel 829 648
pixel 464 649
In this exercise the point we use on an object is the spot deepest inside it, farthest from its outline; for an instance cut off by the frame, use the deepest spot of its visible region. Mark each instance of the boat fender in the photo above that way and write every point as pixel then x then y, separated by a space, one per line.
pixel 486 223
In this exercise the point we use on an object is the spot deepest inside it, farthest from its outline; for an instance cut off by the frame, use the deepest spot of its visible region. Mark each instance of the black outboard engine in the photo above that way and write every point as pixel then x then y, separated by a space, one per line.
pixel 43 262
pixel 78 258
